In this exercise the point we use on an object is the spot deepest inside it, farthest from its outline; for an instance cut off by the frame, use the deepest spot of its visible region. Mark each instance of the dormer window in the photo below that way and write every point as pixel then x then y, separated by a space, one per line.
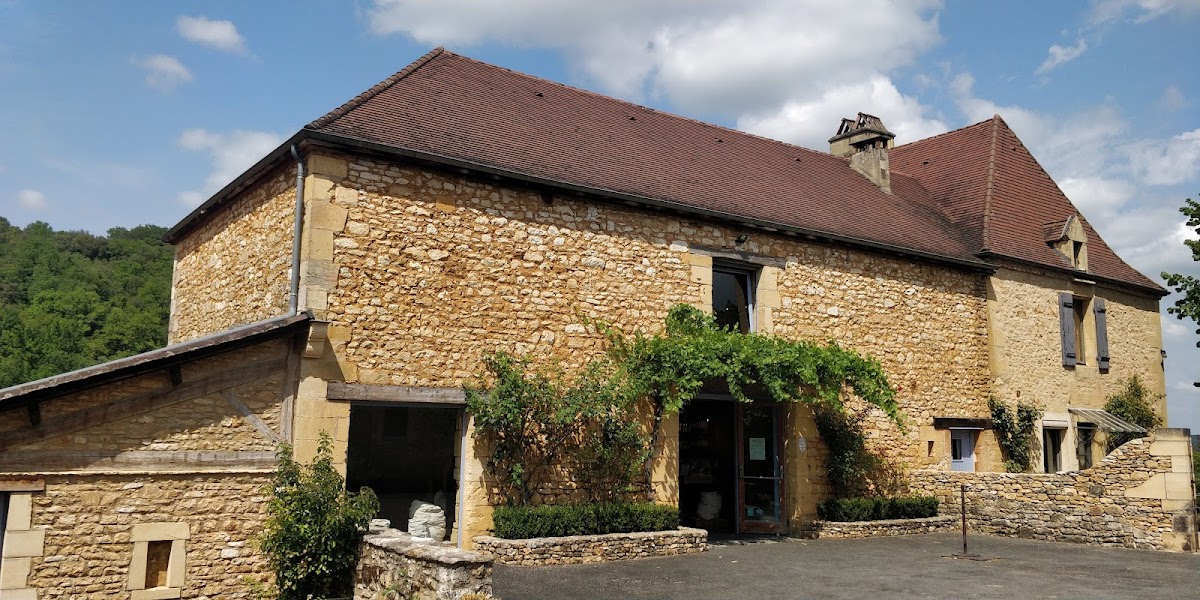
pixel 1069 239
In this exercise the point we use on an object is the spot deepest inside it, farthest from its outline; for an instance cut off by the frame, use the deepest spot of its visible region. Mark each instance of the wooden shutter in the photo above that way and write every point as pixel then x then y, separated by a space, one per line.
pixel 1101 332
pixel 1066 327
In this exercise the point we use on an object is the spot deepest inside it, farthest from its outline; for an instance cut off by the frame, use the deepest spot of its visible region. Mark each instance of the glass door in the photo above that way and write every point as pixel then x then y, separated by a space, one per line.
pixel 760 470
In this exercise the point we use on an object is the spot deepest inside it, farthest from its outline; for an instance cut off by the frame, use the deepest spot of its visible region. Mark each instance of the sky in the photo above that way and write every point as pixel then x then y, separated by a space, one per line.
pixel 115 114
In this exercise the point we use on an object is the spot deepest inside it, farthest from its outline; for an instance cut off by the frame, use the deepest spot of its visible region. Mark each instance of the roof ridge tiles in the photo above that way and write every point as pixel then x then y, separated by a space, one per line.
pixel 943 134
pixel 374 90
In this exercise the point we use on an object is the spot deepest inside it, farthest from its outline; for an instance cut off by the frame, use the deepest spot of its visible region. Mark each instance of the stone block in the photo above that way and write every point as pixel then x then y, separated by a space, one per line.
pixel 325 215
pixel 327 165
pixel 1176 505
pixel 25 594
pixel 317 187
pixel 445 204
pixel 1168 447
pixel 158 532
pixel 701 275
pixel 14 574
pixel 20 512
pixel 769 298
pixel 318 244
pixel 1181 464
pixel 768 278
pixel 20 544
pixel 312 387
pixel 162 593
pixel 700 260
pixel 1178 486
pixel 345 196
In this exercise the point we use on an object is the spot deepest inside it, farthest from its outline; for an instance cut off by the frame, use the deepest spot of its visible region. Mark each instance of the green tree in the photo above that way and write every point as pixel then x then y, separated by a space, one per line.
pixel 1134 403
pixel 1189 285
pixel 70 299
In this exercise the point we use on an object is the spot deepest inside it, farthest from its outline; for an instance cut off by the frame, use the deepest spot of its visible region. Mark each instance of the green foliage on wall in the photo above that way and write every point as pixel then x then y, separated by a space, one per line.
pixel 1134 403
pixel 536 417
pixel 853 470
pixel 314 526
pixel 672 367
pixel 1015 430
pixel 541 423
pixel 70 299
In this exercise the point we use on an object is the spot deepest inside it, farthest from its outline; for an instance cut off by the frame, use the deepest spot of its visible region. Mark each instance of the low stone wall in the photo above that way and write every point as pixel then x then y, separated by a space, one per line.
pixel 839 530
pixel 393 566
pixel 580 549
pixel 1139 496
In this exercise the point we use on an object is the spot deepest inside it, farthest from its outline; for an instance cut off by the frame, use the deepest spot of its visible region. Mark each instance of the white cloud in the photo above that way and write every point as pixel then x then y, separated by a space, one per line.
pixel 222 35
pixel 163 72
pixel 31 199
pixel 1172 99
pixel 776 65
pixel 1137 11
pixel 1170 163
pixel 1062 54
pixel 811 123
pixel 231 154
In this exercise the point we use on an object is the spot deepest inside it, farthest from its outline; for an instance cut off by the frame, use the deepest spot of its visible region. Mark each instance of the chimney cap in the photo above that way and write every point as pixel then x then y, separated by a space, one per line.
pixel 865 123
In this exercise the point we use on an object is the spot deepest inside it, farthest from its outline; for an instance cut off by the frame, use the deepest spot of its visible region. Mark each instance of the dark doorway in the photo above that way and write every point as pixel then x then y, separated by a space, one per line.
pixel 404 454
pixel 708 465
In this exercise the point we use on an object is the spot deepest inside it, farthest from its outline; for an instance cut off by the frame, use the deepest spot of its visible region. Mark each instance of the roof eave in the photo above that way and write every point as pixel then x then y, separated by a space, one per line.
pixel 148 362
pixel 1143 289
pixel 974 265
pixel 248 177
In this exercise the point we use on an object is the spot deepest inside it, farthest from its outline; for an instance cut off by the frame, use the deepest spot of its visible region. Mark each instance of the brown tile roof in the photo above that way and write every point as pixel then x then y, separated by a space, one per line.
pixel 988 183
pixel 455 107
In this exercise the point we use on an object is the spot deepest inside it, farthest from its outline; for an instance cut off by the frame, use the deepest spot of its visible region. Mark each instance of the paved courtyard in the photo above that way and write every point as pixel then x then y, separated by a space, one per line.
pixel 880 568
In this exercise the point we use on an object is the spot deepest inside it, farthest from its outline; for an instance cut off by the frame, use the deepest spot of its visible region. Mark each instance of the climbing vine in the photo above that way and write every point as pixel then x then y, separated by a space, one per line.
pixel 536 417
pixel 1015 432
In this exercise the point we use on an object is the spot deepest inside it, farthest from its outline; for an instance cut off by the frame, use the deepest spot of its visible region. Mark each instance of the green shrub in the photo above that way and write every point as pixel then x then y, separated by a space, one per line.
pixel 876 509
pixel 314 526
pixel 558 520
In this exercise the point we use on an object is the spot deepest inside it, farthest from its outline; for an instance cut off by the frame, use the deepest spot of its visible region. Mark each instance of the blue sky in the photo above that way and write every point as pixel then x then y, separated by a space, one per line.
pixel 122 113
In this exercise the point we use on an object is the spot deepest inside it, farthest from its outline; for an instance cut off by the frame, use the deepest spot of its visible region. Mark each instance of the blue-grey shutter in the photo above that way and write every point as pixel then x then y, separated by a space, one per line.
pixel 1101 332
pixel 1066 327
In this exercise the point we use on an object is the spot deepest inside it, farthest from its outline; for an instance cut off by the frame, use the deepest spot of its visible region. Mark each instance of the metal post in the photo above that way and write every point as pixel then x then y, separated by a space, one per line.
pixel 962 503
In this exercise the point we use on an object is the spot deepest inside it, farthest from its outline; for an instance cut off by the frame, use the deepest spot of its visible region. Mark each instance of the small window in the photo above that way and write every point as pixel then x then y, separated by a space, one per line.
pixel 1052 449
pixel 1077 254
pixel 733 299
pixel 158 558
pixel 1080 306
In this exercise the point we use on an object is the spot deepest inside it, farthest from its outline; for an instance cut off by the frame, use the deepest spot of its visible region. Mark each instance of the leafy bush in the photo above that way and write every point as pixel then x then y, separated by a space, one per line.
pixel 314 526
pixel 558 520
pixel 876 509
pixel 853 469
pixel 1015 432
pixel 1133 404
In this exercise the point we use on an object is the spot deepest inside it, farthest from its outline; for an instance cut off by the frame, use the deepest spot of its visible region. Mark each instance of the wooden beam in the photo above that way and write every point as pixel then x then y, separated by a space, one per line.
pixel 22 484
pixel 141 403
pixel 141 460
pixel 35 413
pixel 398 394
pixel 176 374
pixel 288 387
pixel 249 415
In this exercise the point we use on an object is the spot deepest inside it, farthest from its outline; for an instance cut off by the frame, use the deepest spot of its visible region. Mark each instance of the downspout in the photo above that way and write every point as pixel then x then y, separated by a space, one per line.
pixel 294 296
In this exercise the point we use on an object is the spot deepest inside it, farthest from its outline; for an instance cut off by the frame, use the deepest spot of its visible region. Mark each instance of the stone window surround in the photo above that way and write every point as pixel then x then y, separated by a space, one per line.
pixel 143 533
pixel 22 543
pixel 765 271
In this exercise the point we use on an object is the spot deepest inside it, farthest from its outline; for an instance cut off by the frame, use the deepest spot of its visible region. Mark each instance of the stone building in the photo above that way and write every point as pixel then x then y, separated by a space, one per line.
pixel 353 279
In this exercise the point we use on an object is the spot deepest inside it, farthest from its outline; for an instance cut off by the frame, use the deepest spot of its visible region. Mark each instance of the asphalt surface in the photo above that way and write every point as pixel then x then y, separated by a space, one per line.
pixel 878 568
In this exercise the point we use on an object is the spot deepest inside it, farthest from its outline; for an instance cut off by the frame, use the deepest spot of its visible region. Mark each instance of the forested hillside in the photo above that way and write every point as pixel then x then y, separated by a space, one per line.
pixel 70 299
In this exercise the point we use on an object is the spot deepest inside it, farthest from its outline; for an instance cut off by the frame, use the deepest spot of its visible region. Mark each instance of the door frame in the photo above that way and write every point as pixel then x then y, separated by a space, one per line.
pixel 743 525
pixel 968 435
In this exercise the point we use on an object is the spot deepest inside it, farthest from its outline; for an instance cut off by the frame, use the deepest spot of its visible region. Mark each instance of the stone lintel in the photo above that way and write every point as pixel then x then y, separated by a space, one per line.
pixel 157 532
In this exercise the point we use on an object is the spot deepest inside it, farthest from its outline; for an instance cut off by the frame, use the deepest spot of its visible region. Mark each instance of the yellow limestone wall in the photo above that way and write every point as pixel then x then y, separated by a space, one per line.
pixel 420 272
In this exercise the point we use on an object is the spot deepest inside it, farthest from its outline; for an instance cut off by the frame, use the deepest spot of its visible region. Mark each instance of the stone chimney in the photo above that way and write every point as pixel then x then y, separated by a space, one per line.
pixel 866 141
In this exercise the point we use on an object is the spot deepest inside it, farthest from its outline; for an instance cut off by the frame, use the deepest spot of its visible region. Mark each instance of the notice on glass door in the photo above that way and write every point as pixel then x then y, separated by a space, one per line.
pixel 758 448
